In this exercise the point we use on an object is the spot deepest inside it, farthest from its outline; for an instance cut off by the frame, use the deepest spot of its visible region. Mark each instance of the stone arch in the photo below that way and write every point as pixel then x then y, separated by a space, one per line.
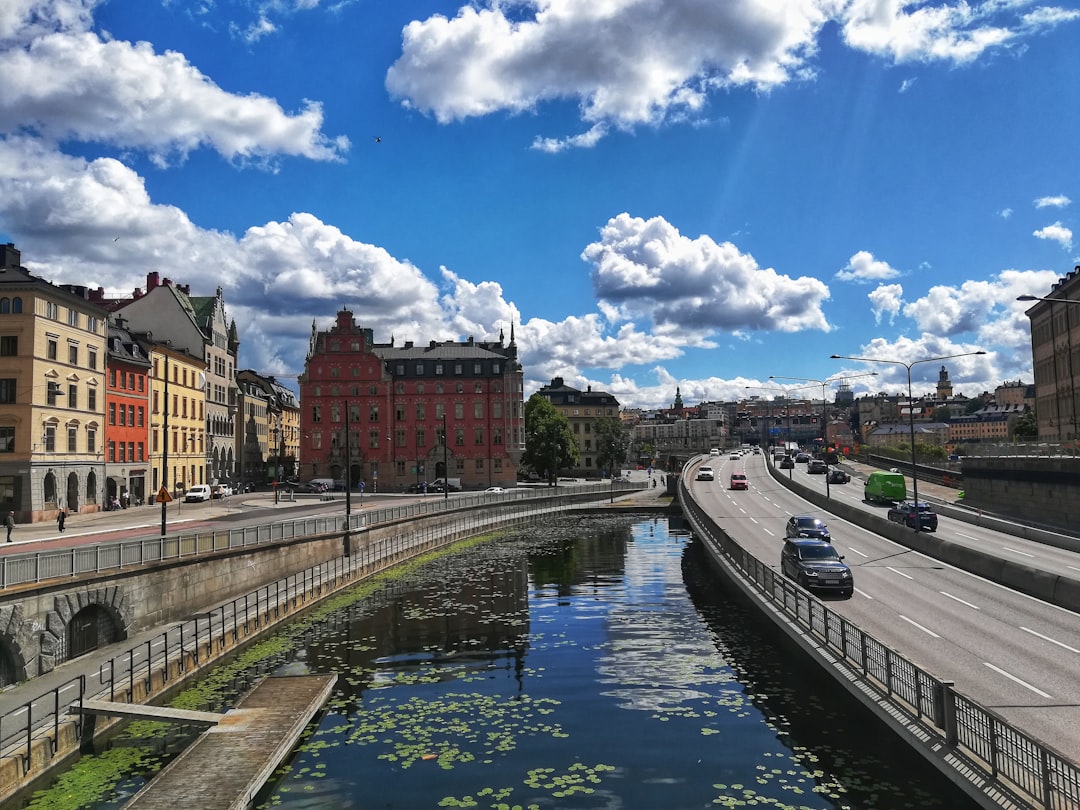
pixel 72 499
pixel 49 489
pixel 109 613
pixel 91 487
pixel 18 645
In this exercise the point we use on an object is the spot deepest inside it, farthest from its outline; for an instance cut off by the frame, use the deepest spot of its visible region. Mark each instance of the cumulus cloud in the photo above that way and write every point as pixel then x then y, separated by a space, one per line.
pixel 969 374
pixel 1057 201
pixel 646 268
pixel 862 266
pixel 886 300
pixel 70 84
pixel 644 62
pixel 1056 233
pixel 1005 213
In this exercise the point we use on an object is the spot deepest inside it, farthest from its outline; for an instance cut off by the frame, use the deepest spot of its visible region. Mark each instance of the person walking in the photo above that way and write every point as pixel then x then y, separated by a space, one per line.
pixel 60 518
pixel 9 521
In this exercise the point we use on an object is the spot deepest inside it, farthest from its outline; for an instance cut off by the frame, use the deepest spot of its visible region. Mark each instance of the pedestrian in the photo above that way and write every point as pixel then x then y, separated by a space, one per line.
pixel 9 521
pixel 60 518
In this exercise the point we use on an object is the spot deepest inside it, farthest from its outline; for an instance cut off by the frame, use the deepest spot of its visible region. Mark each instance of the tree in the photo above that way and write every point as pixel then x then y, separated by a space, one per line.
pixel 549 442
pixel 611 443
pixel 1026 427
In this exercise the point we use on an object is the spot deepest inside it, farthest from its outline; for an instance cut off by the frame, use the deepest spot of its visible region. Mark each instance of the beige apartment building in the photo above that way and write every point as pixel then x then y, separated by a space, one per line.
pixel 1055 355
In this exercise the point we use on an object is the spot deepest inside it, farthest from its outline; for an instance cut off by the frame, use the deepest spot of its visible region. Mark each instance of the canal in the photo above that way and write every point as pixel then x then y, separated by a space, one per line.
pixel 587 663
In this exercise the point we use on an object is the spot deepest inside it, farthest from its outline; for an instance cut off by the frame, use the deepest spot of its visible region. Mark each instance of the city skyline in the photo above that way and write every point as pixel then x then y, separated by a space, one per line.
pixel 654 195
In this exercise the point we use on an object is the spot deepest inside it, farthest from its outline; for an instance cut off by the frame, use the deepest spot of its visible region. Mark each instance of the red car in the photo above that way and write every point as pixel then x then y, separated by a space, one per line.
pixel 738 481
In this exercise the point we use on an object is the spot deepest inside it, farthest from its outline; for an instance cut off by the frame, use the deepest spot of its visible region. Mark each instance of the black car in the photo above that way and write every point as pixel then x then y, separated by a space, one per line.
pixel 802 458
pixel 817 566
pixel 787 463
pixel 920 516
pixel 837 476
pixel 807 526
pixel 817 466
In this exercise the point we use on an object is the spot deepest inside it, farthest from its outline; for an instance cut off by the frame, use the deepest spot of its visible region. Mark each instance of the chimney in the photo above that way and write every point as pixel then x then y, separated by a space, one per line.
pixel 98 295
pixel 11 257
pixel 152 280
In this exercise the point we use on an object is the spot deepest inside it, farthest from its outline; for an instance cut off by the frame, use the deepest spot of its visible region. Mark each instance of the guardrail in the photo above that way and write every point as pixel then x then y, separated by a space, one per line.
pixel 37 566
pixel 1014 760
pixel 37 730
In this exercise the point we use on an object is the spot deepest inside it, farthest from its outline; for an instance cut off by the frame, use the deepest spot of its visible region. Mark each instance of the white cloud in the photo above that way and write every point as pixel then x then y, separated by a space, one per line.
pixel 1056 233
pixel 1057 201
pixel 906 85
pixel 648 269
pixel 633 62
pixel 69 84
pixel 886 299
pixel 586 139
pixel 862 266
pixel 1005 213
pixel 970 375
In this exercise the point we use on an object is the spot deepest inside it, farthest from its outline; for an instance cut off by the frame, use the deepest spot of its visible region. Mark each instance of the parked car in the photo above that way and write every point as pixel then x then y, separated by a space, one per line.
pixel 816 565
pixel 787 463
pixel 838 476
pixel 739 481
pixel 817 466
pixel 197 493
pixel 495 490
pixel 914 515
pixel 419 486
pixel 220 491
pixel 705 474
pixel 807 526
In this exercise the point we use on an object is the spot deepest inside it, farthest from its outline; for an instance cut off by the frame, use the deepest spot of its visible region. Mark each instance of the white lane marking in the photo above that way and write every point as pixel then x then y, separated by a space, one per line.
pixel 1013 678
pixel 1073 567
pixel 1051 640
pixel 864 593
pixel 926 630
pixel 961 601
pixel 901 573
pixel 856 551
pixel 768 532
pixel 1021 553
pixel 967 536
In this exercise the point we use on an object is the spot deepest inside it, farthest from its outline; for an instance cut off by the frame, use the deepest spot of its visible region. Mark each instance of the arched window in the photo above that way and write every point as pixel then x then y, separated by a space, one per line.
pixel 16 305
pixel 5 306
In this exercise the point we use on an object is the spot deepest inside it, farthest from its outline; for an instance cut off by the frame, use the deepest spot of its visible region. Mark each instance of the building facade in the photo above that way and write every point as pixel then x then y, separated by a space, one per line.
pixel 582 410
pixel 177 414
pixel 396 416
pixel 127 424
pixel 1055 355
pixel 52 395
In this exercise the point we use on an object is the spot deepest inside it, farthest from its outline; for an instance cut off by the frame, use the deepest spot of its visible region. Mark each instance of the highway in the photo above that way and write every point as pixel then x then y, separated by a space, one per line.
pixel 1015 655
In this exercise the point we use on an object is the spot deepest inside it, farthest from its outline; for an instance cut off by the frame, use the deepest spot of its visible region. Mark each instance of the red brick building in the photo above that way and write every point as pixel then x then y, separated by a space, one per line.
pixel 127 424
pixel 396 402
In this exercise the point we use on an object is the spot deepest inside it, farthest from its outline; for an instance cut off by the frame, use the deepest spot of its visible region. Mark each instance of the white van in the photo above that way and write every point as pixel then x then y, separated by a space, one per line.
pixel 197 493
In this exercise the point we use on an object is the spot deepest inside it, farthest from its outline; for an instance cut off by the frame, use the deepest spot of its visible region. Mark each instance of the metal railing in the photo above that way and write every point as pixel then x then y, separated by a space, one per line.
pixel 1017 762
pixel 145 669
pixel 38 566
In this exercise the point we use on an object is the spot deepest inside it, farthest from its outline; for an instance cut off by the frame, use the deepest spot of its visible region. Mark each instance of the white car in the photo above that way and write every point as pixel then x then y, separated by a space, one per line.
pixel 705 474
pixel 495 490
pixel 197 493
pixel 221 491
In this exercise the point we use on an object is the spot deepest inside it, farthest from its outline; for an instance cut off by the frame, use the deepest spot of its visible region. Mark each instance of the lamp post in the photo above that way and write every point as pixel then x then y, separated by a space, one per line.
pixel 1053 356
pixel 348 485
pixel 445 462
pixel 911 408
pixel 824 413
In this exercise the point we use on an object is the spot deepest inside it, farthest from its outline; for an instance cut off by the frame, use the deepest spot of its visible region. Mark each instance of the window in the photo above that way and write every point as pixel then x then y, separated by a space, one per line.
pixel 459 410
pixel 494 368
pixel 142 415
pixel 316 440
pixel 438 388
pixel 91 399
pixel 7 440
pixel 7 391
pixel 459 437
pixel 52 393
pixel 496 410
pixel 419 369
pixel 400 370
pixel 479 465
pixel 316 413
pixel 73 318
pixel 73 396
pixel 438 369
pixel 73 354
pixel 112 413
pixel 421 437
pixel 420 411
pixel 112 451
pixel 478 410
pixel 9 346
pixel 112 378
pixel 373 439
pixel 479 436
pixel 91 324
pixel 476 368
pixel 373 413
pixel 399 437
pixel 91 440
pixel 440 410
pixel 51 348
pixel 496 435
pixel 457 368
pixel 51 311
pixel 399 413
pixel 49 438
pixel 142 452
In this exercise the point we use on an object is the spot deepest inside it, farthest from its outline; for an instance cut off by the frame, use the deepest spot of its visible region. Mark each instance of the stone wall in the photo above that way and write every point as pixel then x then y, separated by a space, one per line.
pixel 1042 490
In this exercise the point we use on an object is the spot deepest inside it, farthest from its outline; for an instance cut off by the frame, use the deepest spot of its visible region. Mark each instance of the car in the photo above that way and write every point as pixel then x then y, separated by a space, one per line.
pixel 220 491
pixel 197 494
pixel 817 466
pixel 920 516
pixel 736 456
pixel 837 476
pixel 817 566
pixel 802 458
pixel 310 486
pixel 739 481
pixel 714 451
pixel 778 456
pixel 885 487
pixel 807 526
pixel 787 463
pixel 494 490
pixel 705 474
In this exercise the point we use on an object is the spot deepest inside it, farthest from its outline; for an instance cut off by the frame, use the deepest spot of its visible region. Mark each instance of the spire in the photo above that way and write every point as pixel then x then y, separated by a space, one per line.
pixel 511 333
pixel 678 406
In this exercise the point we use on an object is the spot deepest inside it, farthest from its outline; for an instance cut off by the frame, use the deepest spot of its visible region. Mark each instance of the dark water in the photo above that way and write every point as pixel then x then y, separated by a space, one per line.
pixel 588 664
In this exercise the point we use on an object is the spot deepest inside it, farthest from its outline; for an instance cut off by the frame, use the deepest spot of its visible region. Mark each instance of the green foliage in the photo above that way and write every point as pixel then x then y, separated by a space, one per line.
pixel 611 440
pixel 1026 427
pixel 549 442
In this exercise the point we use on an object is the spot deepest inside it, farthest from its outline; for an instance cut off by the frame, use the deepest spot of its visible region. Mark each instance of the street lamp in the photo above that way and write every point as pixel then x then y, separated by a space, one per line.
pixel 824 413
pixel 911 408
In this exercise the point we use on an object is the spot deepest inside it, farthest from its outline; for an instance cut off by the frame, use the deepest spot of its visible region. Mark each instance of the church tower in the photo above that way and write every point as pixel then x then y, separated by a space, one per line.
pixel 944 387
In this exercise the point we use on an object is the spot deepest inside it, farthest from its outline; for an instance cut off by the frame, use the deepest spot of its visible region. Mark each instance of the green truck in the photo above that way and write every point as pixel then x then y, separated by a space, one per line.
pixel 885 487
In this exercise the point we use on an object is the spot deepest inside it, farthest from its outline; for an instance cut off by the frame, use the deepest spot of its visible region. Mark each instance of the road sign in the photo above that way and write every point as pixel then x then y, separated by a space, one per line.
pixel 163 496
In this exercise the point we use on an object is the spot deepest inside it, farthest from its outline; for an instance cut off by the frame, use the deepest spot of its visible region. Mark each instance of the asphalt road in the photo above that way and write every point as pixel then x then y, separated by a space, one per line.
pixel 1013 654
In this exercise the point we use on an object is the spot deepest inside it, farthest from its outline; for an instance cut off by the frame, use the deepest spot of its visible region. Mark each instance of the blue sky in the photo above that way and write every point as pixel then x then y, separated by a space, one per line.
pixel 657 193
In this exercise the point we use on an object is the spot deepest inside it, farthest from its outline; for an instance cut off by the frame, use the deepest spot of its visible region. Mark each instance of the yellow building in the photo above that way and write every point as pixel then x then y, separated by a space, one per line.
pixel 52 395
pixel 177 418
